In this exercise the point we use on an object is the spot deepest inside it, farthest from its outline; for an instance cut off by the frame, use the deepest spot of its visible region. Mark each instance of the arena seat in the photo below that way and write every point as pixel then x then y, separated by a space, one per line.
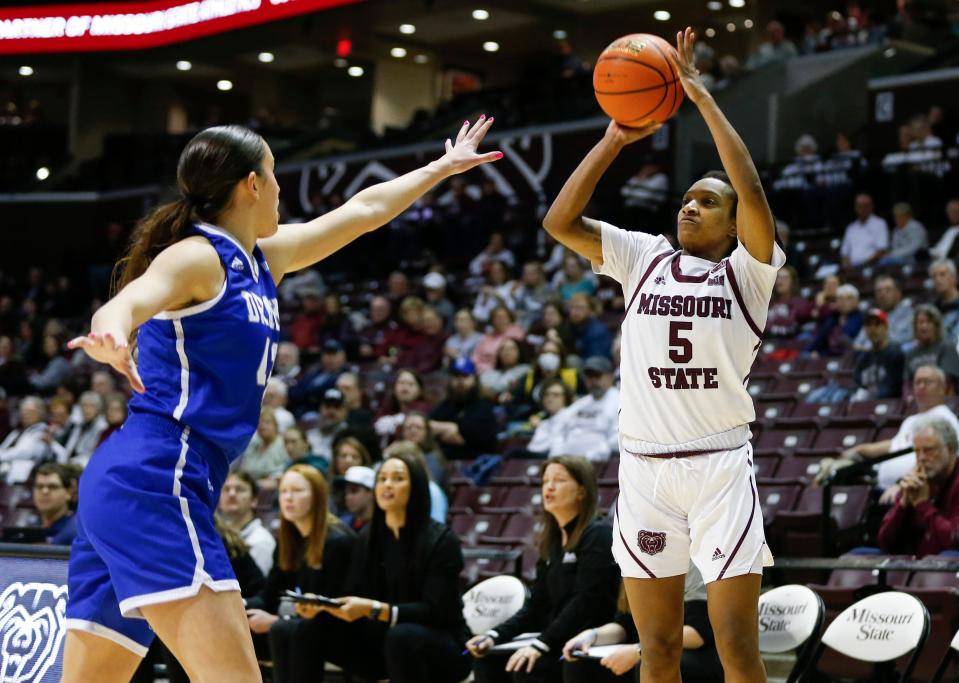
pixel 880 408
pixel 518 471
pixel 606 496
pixel 790 618
pixel 786 438
pixel 519 530
pixel 15 495
pixel 526 499
pixel 476 499
pixel 799 531
pixel 943 607
pixel 488 604
pixel 610 473
pixel 946 666
pixel 776 497
pixel 817 410
pixel 765 465
pixel 469 527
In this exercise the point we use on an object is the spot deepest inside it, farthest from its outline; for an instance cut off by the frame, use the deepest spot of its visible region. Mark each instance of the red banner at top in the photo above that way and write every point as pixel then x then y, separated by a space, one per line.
pixel 137 25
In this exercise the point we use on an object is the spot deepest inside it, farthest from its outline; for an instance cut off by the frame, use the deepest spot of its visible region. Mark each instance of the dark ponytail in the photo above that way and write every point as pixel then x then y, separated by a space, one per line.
pixel 210 166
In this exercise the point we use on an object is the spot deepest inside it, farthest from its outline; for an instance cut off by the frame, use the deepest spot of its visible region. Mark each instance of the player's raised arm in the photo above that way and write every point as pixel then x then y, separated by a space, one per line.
pixel 186 272
pixel 565 220
pixel 297 246
pixel 755 226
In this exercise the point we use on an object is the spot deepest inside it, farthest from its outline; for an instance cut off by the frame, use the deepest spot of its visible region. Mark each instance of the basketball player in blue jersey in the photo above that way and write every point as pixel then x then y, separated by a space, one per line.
pixel 198 287
pixel 692 329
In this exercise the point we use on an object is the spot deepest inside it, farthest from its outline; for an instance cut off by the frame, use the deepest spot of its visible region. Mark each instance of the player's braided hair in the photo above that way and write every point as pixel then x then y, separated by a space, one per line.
pixel 210 166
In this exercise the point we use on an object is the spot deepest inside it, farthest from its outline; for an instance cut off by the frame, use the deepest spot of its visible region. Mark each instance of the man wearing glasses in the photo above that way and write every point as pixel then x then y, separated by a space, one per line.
pixel 52 491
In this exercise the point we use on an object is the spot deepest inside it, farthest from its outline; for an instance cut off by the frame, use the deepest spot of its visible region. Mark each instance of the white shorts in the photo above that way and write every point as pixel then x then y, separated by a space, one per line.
pixel 703 508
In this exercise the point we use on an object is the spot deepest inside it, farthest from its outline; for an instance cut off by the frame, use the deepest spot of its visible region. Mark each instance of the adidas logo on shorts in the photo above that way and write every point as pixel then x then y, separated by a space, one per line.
pixel 236 264
pixel 718 554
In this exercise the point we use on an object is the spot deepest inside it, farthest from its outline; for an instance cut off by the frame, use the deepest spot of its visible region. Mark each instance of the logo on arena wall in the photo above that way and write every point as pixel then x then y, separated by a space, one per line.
pixel 651 542
pixel 32 627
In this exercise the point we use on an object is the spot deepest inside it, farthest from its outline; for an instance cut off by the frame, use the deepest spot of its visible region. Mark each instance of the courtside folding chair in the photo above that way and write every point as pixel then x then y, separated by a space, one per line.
pixel 790 617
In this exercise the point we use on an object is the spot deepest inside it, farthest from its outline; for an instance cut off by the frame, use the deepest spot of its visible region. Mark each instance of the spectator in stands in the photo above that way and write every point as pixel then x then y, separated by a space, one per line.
pixel 439 505
pixel 498 291
pixel 922 136
pixel 58 419
pixel 946 246
pixel 590 427
pixel 358 484
pixel 929 389
pixel 699 663
pixel 403 619
pixel 553 325
pixel 502 325
pixel 313 556
pixel 332 421
pixel 825 299
pixel 531 293
pixel 837 330
pixel 115 414
pixel 407 395
pixel 276 396
pixel 550 363
pixel 908 237
pixel 416 429
pixel 887 295
pixel 336 323
pixel 434 286
pixel 464 340
pixel 590 336
pixel 397 287
pixel 237 509
pixel 13 373
pixel 511 366
pixel 573 279
pixel 402 339
pixel 925 519
pixel 776 47
pixel 867 238
pixel 56 368
pixel 298 448
pixel 427 354
pixel 943 274
pixel 348 451
pixel 373 332
pixel 644 196
pixel 464 422
pixel 84 434
pixel 52 484
pixel 266 457
pixel 351 386
pixel 787 309
pixel 306 325
pixel 878 370
pixel 575 586
pixel 554 396
pixel 316 383
pixel 287 366
pixel 495 251
pixel 730 71
pixel 929 347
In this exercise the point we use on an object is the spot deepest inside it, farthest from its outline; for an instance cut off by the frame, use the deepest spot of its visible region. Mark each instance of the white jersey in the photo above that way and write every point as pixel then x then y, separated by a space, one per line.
pixel 690 334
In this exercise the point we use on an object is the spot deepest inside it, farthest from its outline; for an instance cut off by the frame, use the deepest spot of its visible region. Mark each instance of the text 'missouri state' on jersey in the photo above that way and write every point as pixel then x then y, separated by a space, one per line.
pixel 690 333
pixel 207 365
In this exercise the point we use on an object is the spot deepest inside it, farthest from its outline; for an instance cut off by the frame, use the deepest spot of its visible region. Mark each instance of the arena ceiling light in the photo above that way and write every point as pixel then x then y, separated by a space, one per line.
pixel 737 3
pixel 355 71
pixel 710 32
pixel 714 5
pixel 491 46
pixel 184 65
pixel 266 57
pixel 748 23
pixel 559 34
pixel 731 27
pixel 224 85
pixel 421 59
pixel 25 70
pixel 480 14
pixel 43 173
pixel 407 29
pixel 398 52
pixel 661 15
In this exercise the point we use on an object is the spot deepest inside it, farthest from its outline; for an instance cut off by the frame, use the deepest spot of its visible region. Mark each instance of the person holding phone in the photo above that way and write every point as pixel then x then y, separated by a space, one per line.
pixel 312 557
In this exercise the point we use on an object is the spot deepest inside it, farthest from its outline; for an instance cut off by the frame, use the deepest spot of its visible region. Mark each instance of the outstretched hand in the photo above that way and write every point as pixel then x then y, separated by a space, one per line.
pixel 685 62
pixel 105 349
pixel 461 155
pixel 625 135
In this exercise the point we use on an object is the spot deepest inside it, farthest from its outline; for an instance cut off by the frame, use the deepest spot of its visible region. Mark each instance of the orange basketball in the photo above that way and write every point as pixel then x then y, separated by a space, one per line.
pixel 635 81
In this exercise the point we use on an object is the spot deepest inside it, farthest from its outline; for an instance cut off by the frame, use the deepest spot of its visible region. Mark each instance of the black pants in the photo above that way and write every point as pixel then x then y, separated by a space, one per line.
pixel 696 666
pixel 405 653
pixel 492 669
pixel 591 671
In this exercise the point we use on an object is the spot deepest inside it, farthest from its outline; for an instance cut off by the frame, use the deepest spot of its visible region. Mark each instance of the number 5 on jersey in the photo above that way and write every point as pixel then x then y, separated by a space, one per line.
pixel 684 353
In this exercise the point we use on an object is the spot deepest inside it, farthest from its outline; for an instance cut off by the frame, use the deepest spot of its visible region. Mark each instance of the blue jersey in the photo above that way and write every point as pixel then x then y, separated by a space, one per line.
pixel 206 366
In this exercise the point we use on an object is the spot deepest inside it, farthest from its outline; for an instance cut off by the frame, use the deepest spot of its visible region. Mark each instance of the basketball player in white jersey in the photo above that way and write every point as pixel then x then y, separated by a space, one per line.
pixel 691 331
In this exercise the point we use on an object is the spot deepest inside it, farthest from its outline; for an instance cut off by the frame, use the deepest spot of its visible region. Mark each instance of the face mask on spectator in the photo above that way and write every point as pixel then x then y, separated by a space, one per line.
pixel 548 362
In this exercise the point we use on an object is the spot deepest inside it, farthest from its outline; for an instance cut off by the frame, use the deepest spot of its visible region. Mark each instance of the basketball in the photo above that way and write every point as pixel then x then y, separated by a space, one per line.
pixel 635 81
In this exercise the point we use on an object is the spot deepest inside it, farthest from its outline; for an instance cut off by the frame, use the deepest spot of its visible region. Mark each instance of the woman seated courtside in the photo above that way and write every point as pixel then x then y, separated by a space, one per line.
pixel 312 556
pixel 575 586
pixel 403 617
pixel 699 663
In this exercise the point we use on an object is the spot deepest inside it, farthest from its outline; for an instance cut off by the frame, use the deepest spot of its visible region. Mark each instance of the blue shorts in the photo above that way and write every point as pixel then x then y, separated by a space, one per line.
pixel 145 532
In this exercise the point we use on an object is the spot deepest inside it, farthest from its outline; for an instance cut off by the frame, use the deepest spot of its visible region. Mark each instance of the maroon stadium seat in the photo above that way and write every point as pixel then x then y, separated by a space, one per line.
pixel 776 497
pixel 786 438
pixel 610 473
pixel 606 498
pixel 518 471
pixel 470 527
pixel 765 465
pixel 15 495
pixel 528 499
pixel 880 408
pixel 943 607
pixel 520 529
pixel 476 499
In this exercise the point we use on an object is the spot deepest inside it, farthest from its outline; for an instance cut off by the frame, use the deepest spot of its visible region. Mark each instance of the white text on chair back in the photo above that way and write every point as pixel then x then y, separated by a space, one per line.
pixel 879 628
pixel 489 603
pixel 955 642
pixel 787 618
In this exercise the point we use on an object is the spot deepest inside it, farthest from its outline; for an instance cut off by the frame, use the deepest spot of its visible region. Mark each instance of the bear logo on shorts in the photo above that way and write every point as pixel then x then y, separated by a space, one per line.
pixel 651 542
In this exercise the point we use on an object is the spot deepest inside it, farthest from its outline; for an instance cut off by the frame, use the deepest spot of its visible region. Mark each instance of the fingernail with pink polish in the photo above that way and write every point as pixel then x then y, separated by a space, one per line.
pixel 498 155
